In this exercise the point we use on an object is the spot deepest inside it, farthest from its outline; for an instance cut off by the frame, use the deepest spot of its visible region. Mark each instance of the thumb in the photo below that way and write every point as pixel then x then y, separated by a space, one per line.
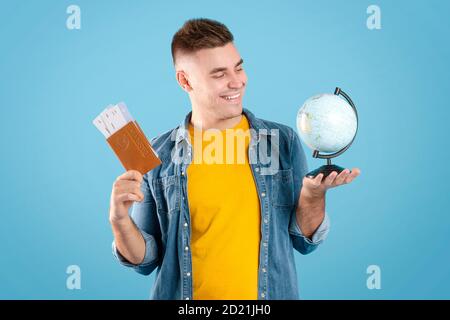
pixel 313 182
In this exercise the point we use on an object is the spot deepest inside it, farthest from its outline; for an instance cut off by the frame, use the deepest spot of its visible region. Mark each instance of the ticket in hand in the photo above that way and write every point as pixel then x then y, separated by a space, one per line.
pixel 126 138
pixel 112 119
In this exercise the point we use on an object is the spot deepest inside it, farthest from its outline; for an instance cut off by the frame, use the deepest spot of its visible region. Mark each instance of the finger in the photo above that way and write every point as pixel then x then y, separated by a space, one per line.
pixel 330 179
pixel 140 196
pixel 131 175
pixel 312 182
pixel 316 180
pixel 128 189
pixel 128 197
pixel 126 185
pixel 355 172
pixel 340 179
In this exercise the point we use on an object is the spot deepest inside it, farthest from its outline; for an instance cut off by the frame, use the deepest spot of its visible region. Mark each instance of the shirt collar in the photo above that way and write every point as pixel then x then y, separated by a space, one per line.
pixel 261 128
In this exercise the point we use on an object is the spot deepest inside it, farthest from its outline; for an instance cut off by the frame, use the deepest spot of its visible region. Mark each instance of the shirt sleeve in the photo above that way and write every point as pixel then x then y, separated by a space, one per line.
pixel 303 244
pixel 300 168
pixel 144 216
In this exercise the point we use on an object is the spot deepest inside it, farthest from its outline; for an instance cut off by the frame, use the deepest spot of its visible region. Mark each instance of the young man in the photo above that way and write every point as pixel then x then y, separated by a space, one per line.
pixel 220 219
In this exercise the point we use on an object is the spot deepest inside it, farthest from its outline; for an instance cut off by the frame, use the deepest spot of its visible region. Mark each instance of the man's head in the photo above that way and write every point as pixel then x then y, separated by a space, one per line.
pixel 209 67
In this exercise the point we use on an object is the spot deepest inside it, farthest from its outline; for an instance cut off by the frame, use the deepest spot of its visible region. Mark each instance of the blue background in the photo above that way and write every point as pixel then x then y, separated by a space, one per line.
pixel 57 171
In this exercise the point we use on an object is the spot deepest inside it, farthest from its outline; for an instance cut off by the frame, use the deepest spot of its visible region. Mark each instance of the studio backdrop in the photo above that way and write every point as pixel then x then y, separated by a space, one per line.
pixel 63 62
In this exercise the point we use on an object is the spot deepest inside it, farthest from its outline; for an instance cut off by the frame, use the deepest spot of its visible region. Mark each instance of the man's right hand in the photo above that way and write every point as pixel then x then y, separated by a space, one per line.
pixel 126 189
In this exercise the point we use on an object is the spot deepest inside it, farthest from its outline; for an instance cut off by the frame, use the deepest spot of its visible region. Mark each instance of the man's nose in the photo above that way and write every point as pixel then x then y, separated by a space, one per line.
pixel 236 82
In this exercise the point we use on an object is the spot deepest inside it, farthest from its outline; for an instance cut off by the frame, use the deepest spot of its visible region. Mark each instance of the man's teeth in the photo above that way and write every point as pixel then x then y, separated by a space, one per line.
pixel 232 97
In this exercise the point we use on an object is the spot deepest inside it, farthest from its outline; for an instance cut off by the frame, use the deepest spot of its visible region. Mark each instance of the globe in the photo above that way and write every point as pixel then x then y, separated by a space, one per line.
pixel 327 123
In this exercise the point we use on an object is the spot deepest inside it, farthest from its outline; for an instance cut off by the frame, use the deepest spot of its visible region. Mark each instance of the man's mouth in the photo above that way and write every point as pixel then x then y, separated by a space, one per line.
pixel 232 98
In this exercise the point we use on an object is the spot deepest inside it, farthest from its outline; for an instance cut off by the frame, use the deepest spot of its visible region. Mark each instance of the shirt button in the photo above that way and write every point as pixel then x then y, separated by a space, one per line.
pixel 185 224
pixel 187 298
pixel 264 270
pixel 186 248
pixel 263 194
pixel 265 221
pixel 265 244
pixel 182 173
pixel 263 295
pixel 257 169
pixel 188 274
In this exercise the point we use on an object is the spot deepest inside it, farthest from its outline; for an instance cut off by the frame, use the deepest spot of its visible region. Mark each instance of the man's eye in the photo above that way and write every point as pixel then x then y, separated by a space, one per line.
pixel 239 69
pixel 219 76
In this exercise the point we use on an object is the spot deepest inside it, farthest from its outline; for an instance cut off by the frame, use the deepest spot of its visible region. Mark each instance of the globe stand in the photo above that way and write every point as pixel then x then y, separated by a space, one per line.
pixel 325 169
pixel 329 167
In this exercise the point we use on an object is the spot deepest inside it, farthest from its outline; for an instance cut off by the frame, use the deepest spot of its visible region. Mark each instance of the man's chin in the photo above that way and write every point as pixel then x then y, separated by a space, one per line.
pixel 232 110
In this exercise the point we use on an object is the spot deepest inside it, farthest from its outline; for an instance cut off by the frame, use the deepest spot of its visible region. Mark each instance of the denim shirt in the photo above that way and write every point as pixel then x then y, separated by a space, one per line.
pixel 164 221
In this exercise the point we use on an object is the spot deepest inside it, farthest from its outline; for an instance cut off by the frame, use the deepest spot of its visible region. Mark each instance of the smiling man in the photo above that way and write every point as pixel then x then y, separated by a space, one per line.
pixel 217 219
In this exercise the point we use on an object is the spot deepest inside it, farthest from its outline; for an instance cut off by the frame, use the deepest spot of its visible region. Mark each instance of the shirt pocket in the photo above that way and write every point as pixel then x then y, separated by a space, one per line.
pixel 167 194
pixel 283 189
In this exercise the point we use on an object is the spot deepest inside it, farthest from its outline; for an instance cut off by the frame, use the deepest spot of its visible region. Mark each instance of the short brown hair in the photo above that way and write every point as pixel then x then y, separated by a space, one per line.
pixel 196 34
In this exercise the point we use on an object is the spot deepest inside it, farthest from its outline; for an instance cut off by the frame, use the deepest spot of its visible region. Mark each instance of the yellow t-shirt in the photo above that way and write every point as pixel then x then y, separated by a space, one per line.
pixel 225 215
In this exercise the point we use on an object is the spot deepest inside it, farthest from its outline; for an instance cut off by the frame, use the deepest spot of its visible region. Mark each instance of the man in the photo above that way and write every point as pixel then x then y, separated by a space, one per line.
pixel 219 220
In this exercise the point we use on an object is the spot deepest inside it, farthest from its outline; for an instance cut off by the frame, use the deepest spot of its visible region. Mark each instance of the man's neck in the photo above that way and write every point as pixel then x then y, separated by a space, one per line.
pixel 206 121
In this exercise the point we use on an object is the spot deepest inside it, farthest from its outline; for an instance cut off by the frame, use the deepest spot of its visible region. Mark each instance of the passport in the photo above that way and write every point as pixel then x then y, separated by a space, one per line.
pixel 126 138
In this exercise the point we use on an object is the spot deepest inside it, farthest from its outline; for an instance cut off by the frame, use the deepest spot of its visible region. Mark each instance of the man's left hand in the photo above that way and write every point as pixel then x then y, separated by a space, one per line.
pixel 311 203
pixel 314 188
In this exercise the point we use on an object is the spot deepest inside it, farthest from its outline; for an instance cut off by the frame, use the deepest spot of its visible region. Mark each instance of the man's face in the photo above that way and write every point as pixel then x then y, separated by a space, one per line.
pixel 217 80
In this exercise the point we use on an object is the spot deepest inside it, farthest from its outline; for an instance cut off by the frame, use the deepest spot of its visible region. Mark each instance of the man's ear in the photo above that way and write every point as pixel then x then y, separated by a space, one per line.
pixel 183 81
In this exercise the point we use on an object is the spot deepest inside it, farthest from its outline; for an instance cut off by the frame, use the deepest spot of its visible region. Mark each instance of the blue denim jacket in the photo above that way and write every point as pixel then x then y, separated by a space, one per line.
pixel 163 216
